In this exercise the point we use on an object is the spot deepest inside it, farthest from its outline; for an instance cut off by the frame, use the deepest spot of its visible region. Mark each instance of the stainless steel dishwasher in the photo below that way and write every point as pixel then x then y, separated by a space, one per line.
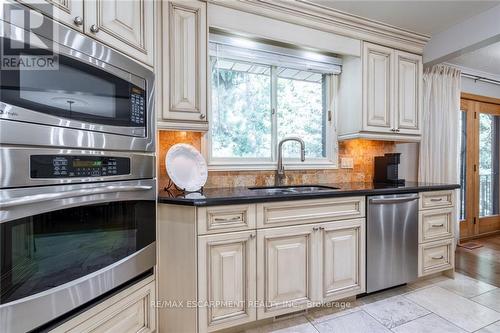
pixel 391 240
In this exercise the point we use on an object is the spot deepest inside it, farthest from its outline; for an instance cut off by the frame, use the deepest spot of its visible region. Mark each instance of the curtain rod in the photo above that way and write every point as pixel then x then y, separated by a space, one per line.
pixel 480 78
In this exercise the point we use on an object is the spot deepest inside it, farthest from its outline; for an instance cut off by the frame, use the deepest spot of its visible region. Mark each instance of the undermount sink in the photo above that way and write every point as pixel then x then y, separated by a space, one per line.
pixel 294 189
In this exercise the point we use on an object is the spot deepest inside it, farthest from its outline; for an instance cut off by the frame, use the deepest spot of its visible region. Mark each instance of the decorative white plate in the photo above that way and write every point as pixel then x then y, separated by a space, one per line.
pixel 186 167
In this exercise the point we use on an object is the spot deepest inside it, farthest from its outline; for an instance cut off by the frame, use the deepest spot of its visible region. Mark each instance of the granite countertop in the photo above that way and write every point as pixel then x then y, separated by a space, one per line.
pixel 242 195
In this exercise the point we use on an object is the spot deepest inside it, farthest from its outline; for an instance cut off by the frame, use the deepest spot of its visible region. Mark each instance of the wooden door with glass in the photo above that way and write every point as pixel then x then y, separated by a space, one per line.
pixel 480 164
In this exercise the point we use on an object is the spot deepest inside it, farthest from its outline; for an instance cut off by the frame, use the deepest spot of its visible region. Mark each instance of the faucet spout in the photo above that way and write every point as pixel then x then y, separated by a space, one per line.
pixel 280 171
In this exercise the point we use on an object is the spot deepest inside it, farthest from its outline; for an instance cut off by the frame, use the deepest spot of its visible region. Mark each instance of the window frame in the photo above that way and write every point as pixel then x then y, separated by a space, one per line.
pixel 242 163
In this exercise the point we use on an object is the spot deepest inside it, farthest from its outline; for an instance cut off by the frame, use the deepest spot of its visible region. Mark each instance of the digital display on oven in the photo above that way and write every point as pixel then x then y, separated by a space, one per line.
pixel 86 164
pixel 56 166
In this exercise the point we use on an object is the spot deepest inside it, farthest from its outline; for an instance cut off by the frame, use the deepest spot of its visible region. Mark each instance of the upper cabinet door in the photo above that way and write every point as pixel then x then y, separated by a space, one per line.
pixel 408 92
pixel 69 12
pixel 126 25
pixel 185 47
pixel 378 87
pixel 226 268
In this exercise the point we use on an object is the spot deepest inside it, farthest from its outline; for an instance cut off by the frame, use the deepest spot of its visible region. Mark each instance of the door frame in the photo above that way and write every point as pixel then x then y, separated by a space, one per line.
pixel 472 225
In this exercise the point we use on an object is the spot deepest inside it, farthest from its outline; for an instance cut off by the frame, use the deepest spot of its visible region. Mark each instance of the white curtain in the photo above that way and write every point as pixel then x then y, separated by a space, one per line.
pixel 440 145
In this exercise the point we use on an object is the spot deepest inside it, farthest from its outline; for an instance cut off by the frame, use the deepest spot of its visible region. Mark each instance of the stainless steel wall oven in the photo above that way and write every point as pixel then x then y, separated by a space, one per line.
pixel 71 240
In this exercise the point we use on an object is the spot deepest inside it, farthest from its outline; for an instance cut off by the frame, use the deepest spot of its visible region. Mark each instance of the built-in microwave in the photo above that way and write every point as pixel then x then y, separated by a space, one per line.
pixel 59 87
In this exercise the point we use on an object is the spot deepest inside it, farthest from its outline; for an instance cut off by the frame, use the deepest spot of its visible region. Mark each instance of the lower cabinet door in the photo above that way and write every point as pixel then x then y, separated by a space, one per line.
pixel 226 280
pixel 130 311
pixel 284 269
pixel 343 253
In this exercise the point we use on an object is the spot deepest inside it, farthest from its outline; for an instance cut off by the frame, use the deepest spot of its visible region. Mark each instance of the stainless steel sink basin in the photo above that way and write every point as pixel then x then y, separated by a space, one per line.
pixel 294 189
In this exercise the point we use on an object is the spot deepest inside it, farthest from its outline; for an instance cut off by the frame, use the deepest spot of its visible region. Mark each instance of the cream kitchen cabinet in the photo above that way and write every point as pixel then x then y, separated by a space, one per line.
pixel 285 269
pixel 69 12
pixel 226 273
pixel 436 221
pixel 129 311
pixel 125 25
pixel 299 266
pixel 342 272
pixel 391 95
pixel 239 269
pixel 183 66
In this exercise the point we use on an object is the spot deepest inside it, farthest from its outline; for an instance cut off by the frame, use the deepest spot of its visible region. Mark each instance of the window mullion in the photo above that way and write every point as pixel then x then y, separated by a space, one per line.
pixel 274 112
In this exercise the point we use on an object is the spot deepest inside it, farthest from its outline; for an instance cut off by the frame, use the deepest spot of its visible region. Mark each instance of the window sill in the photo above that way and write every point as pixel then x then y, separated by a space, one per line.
pixel 248 166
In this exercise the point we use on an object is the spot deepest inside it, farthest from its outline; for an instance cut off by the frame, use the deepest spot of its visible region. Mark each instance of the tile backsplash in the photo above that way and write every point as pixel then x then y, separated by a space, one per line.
pixel 361 151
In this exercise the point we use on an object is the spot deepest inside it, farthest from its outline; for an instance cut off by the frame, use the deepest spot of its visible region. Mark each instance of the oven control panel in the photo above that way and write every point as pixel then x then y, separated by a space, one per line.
pixel 63 166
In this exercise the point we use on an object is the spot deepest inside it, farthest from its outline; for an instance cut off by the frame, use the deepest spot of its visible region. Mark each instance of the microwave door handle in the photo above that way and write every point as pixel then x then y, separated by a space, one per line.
pixel 30 199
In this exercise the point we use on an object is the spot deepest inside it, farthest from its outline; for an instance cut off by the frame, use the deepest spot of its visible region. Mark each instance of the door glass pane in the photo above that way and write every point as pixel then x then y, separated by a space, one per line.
pixel 489 160
pixel 43 251
pixel 463 164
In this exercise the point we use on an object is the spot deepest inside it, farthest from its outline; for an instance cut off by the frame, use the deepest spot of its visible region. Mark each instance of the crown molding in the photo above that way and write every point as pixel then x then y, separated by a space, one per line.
pixel 315 16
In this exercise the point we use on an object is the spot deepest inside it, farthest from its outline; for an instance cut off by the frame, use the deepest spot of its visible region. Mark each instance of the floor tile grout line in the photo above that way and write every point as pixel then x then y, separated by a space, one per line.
pixel 463 329
pixel 458 293
pixel 494 289
pixel 340 315
pixel 486 306
pixel 408 300
pixel 498 321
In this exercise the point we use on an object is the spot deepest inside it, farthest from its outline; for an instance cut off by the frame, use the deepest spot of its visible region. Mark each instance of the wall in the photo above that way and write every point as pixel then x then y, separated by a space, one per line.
pixel 480 88
pixel 362 151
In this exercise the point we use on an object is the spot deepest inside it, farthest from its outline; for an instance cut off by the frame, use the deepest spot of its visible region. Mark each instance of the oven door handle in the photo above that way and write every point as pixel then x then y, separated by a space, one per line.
pixel 30 199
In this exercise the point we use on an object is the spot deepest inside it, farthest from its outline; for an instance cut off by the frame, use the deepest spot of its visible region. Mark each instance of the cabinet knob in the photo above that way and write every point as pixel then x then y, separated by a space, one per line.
pixel 315 228
pixel 397 130
pixel 252 236
pixel 202 116
pixel 78 20
pixel 94 28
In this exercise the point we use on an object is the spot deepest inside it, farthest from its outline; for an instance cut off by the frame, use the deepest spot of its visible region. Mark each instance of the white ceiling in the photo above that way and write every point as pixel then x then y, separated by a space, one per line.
pixel 486 59
pixel 425 17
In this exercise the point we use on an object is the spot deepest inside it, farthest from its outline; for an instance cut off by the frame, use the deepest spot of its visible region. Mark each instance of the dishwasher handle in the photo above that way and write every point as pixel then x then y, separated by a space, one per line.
pixel 392 200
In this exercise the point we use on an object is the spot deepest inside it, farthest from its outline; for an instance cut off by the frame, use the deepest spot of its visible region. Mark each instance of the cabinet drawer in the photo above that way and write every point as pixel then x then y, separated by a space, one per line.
pixel 309 211
pixel 435 224
pixel 435 257
pixel 130 311
pixel 436 199
pixel 225 218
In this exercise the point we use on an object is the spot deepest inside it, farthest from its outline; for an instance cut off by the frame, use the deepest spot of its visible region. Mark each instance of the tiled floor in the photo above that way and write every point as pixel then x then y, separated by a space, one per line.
pixel 437 305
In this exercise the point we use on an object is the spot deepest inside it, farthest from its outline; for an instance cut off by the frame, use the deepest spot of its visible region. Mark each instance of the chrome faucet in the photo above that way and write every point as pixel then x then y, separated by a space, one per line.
pixel 280 172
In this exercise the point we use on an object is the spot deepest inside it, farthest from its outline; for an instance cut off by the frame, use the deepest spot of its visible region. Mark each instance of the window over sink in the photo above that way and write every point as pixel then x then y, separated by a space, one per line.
pixel 262 93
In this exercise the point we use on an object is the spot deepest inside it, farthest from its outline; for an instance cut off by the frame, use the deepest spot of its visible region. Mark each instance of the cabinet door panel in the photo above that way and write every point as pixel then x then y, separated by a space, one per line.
pixel 378 86
pixel 284 269
pixel 125 25
pixel 227 280
pixel 343 258
pixel 408 92
pixel 65 11
pixel 185 44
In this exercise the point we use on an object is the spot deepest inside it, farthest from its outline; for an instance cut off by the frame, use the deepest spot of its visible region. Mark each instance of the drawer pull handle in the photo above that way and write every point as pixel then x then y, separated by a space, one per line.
pixel 252 236
pixel 228 219
pixel 437 225
pixel 315 228
pixel 437 199
pixel 437 258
